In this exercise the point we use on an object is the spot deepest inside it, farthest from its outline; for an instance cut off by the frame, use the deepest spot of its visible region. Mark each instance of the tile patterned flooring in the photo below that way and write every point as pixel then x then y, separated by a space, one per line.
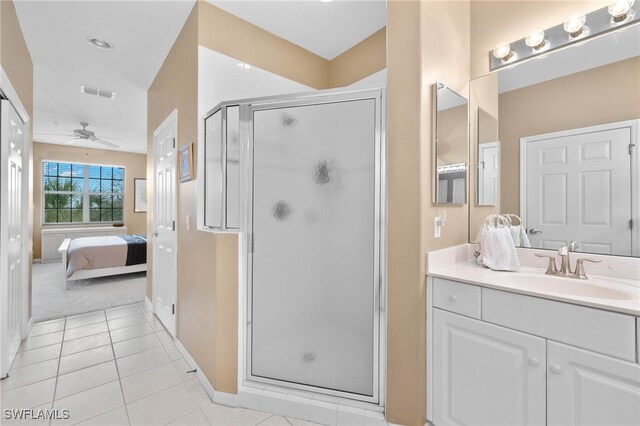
pixel 114 367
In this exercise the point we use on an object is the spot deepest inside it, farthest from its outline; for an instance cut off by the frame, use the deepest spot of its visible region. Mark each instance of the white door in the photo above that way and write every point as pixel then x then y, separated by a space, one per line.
pixel 585 388
pixel 488 165
pixel 486 375
pixel 578 188
pixel 164 223
pixel 12 229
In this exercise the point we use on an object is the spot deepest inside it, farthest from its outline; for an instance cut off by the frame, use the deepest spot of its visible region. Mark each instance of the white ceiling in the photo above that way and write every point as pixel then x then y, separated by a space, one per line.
pixel 56 32
pixel 326 29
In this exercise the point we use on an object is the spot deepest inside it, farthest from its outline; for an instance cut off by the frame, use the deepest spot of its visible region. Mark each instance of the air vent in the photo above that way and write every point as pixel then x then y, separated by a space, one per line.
pixel 109 94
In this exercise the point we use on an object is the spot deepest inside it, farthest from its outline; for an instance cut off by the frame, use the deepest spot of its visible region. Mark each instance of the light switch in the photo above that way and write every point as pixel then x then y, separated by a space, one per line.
pixel 187 222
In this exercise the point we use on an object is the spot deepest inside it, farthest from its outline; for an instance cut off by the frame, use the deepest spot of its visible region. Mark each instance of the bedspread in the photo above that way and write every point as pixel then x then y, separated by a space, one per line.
pixel 96 253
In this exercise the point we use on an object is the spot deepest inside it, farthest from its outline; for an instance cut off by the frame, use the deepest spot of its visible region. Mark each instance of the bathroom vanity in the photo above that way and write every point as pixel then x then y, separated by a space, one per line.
pixel 516 348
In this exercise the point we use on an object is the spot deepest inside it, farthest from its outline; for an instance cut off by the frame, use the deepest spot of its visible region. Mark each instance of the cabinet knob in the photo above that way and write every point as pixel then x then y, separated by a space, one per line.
pixel 555 369
pixel 453 297
pixel 534 362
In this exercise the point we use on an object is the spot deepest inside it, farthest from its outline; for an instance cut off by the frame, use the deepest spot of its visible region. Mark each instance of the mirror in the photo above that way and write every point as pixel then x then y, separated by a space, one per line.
pixel 488 164
pixel 449 146
pixel 566 126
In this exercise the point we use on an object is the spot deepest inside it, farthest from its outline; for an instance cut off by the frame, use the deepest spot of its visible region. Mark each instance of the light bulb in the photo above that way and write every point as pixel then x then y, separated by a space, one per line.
pixel 535 39
pixel 502 51
pixel 574 24
pixel 619 9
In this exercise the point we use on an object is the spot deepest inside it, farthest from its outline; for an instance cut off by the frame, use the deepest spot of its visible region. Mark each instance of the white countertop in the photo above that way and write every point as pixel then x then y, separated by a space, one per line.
pixel 609 293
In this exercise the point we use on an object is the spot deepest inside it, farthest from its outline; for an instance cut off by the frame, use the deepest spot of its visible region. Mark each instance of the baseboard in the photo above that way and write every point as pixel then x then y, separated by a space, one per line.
pixel 36 261
pixel 218 397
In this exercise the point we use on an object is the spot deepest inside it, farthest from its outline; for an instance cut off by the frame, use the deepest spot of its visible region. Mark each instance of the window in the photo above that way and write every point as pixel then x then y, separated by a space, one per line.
pixel 80 193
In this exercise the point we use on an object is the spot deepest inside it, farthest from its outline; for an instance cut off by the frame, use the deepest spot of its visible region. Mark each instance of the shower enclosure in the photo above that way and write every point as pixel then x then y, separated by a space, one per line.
pixel 313 220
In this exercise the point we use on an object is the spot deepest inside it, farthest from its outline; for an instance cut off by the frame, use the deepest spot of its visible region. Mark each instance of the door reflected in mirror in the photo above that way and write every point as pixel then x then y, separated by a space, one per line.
pixel 565 145
pixel 450 146
pixel 488 159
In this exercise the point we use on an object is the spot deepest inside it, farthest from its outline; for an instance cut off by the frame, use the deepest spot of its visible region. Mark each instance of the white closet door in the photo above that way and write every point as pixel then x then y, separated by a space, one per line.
pixel 12 238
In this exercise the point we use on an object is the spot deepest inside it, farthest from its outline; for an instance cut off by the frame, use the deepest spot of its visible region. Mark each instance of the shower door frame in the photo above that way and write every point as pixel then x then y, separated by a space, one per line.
pixel 379 287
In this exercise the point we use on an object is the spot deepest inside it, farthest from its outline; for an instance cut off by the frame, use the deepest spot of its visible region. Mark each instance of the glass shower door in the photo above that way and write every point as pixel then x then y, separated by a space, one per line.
pixel 315 246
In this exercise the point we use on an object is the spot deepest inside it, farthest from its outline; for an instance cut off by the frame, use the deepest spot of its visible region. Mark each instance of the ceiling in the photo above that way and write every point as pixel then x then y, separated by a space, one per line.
pixel 326 29
pixel 56 32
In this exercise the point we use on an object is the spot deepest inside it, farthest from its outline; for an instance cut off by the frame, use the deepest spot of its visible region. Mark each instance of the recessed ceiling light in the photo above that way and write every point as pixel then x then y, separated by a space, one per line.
pixel 326 1
pixel 244 66
pixel 100 44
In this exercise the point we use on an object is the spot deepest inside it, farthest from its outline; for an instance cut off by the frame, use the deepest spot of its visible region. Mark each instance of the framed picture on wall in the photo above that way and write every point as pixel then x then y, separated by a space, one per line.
pixel 139 195
pixel 185 161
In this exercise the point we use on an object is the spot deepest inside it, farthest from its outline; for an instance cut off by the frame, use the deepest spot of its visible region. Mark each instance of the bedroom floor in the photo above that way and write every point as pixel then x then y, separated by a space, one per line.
pixel 52 300
pixel 114 367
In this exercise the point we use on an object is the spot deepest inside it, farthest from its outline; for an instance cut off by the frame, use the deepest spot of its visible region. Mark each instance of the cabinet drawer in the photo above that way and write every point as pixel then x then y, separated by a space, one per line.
pixel 457 297
pixel 601 331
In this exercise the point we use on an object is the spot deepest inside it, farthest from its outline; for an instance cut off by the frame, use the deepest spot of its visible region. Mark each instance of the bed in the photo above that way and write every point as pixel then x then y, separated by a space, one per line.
pixel 91 257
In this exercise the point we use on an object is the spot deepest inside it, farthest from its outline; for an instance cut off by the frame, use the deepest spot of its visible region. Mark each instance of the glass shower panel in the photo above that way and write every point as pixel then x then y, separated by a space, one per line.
pixel 213 170
pixel 233 166
pixel 313 316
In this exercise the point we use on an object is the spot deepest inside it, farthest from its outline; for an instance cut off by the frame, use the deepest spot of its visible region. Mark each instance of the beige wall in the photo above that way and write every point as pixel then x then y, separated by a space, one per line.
pixel 496 21
pixel 135 167
pixel 601 95
pixel 363 59
pixel 417 57
pixel 16 62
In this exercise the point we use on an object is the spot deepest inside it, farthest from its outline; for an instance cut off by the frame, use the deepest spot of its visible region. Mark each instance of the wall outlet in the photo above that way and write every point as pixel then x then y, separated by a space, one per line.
pixel 437 227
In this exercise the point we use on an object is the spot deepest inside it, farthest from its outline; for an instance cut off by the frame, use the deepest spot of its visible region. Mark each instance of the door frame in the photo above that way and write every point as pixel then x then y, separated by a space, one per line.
pixel 245 380
pixel 8 91
pixel 172 117
pixel 634 127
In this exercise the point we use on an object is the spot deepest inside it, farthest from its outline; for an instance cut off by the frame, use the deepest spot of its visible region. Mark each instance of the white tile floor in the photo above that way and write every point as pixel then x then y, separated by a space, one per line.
pixel 114 367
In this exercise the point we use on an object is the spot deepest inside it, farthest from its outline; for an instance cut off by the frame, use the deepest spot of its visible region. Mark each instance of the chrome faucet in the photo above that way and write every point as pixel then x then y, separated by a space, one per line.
pixel 565 264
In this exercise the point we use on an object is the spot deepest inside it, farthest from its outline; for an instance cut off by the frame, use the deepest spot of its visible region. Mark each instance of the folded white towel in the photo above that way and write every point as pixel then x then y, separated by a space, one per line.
pixel 524 238
pixel 519 236
pixel 496 249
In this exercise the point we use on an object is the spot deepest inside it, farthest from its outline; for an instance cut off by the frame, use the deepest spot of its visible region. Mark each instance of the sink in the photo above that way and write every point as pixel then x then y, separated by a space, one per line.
pixel 572 287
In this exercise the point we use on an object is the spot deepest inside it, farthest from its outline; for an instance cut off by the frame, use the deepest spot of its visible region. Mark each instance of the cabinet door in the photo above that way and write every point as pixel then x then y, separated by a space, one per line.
pixel 586 388
pixel 485 374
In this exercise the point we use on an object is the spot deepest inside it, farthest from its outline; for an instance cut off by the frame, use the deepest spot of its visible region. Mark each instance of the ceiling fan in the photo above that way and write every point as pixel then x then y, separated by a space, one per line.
pixel 84 134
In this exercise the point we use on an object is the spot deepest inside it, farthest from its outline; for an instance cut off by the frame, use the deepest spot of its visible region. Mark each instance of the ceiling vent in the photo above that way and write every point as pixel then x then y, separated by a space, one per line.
pixel 109 94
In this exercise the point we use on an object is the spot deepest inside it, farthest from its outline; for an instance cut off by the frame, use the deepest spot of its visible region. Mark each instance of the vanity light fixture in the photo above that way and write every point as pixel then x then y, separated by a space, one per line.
pixel 620 10
pixel 575 25
pixel 577 28
pixel 100 44
pixel 503 51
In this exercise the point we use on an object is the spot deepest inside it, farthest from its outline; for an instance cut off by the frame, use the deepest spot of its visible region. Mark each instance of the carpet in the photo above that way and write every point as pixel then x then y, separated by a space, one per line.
pixel 52 300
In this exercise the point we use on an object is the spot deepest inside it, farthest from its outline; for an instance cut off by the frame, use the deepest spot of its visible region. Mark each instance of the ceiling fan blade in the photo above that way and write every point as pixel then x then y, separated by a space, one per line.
pixel 53 134
pixel 109 144
pixel 70 141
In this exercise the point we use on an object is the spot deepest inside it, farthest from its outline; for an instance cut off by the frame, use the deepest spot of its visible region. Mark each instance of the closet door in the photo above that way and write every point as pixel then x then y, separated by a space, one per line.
pixel 484 374
pixel 315 255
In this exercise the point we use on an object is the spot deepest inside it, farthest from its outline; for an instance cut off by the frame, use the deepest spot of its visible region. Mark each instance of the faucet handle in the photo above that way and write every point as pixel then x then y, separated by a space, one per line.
pixel 580 266
pixel 551 268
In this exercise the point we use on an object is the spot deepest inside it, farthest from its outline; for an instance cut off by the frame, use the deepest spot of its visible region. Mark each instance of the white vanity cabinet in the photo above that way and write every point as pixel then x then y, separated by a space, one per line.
pixel 485 374
pixel 584 387
pixel 495 357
